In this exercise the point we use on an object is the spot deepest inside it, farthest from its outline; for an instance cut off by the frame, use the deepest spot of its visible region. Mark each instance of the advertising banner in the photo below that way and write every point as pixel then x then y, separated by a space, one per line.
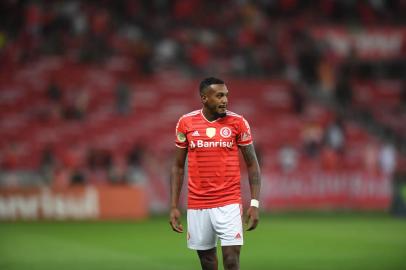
pixel 315 190
pixel 382 93
pixel 75 203
pixel 368 43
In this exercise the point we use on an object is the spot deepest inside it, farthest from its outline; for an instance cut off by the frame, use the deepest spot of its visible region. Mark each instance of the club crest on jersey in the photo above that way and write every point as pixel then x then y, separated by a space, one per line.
pixel 210 132
pixel 225 132
pixel 181 137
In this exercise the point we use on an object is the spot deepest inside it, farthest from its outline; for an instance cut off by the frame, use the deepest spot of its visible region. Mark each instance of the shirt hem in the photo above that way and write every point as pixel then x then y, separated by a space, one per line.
pixel 180 146
pixel 214 205
pixel 244 144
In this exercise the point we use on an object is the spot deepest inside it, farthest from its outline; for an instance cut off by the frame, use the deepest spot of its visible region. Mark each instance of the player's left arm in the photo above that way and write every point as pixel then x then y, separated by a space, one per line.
pixel 254 177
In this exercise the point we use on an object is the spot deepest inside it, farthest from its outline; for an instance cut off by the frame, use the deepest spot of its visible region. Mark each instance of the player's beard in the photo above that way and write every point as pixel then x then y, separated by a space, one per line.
pixel 214 110
pixel 220 115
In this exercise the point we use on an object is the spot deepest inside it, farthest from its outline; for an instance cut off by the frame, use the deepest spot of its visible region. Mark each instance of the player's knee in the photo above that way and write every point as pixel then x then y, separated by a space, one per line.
pixel 208 262
pixel 231 262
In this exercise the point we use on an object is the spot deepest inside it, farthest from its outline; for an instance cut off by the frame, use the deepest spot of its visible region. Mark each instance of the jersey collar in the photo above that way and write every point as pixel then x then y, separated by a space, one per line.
pixel 204 117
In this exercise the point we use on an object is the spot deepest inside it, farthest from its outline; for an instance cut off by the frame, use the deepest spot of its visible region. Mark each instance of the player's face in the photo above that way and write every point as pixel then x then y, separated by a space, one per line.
pixel 216 99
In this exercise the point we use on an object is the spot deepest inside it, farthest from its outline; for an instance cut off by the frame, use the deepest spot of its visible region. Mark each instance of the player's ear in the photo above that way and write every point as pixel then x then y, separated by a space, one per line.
pixel 203 98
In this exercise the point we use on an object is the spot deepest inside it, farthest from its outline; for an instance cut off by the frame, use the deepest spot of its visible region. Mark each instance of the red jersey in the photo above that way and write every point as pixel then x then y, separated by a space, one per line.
pixel 213 160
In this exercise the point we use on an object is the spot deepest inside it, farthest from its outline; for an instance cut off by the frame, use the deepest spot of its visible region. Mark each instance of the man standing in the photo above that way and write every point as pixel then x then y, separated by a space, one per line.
pixel 210 139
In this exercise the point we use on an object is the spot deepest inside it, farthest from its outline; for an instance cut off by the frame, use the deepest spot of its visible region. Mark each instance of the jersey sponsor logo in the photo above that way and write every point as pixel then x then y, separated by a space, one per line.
pixel 245 136
pixel 210 132
pixel 181 137
pixel 246 124
pixel 203 144
pixel 195 133
pixel 225 132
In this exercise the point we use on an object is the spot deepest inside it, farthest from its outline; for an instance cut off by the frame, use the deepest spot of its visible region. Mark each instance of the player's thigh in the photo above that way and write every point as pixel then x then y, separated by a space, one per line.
pixel 200 232
pixel 208 257
pixel 227 222
pixel 231 251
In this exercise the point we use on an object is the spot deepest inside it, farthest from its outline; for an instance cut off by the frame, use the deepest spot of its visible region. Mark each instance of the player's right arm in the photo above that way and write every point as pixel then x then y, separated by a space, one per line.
pixel 177 174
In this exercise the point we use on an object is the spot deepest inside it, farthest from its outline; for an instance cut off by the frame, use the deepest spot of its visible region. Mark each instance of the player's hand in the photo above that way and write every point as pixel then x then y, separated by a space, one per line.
pixel 252 218
pixel 174 220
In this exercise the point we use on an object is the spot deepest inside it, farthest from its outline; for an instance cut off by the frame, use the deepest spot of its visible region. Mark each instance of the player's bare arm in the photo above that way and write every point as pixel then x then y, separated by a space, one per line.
pixel 254 177
pixel 177 174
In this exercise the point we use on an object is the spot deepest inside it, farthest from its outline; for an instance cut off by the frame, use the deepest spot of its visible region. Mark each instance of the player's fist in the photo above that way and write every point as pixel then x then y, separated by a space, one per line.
pixel 174 220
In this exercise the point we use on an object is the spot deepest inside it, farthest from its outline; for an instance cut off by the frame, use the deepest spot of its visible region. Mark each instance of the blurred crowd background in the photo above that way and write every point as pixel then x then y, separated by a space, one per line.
pixel 90 91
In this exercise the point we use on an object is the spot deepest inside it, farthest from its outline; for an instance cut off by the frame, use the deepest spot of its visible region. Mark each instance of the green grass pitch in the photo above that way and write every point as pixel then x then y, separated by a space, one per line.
pixel 291 242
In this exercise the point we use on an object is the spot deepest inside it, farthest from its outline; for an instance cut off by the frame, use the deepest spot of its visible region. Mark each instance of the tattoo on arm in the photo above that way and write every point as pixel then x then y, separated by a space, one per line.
pixel 249 155
pixel 254 174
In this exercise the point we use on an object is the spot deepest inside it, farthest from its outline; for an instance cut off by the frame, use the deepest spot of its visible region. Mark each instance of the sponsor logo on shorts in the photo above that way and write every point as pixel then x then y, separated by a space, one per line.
pixel 238 236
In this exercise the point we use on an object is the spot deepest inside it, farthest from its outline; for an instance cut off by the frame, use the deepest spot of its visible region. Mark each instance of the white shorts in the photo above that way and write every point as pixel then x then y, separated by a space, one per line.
pixel 206 225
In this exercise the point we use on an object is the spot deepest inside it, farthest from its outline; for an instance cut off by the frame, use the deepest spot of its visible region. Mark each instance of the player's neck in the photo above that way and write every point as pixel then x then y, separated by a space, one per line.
pixel 210 116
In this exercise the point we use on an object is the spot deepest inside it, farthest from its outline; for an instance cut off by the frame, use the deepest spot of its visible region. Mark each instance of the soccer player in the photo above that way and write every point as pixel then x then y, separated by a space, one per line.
pixel 210 139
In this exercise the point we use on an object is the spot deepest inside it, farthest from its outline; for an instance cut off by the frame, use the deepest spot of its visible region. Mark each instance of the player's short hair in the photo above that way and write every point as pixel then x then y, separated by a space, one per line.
pixel 207 82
